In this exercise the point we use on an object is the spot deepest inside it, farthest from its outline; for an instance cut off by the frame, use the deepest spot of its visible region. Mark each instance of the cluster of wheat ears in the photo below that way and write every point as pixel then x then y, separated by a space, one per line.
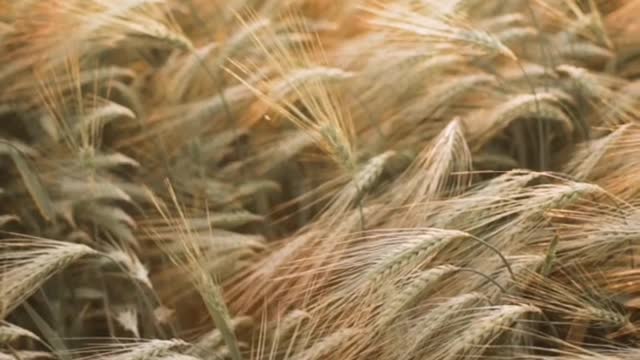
pixel 319 179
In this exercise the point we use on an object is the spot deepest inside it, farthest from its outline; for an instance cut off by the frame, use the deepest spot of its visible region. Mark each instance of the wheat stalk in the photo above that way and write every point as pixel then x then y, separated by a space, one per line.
pixel 214 339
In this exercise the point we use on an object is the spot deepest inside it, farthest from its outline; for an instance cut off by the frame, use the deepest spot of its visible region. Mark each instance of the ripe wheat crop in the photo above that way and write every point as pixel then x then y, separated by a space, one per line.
pixel 319 179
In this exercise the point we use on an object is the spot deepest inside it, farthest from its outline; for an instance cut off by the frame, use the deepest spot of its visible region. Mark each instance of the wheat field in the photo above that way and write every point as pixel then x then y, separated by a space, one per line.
pixel 319 179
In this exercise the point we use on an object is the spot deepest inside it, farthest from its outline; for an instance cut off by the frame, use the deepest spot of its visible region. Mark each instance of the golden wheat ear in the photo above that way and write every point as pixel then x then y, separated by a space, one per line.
pixel 577 302
pixel 332 344
pixel 435 27
pixel 26 263
pixel 584 163
pixel 10 333
pixel 192 260
pixel 131 350
pixel 300 80
pixel 438 318
pixel 477 339
pixel 615 106
pixel 446 160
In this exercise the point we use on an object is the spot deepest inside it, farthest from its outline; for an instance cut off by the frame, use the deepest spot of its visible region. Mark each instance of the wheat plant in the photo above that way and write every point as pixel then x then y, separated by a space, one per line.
pixel 319 179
